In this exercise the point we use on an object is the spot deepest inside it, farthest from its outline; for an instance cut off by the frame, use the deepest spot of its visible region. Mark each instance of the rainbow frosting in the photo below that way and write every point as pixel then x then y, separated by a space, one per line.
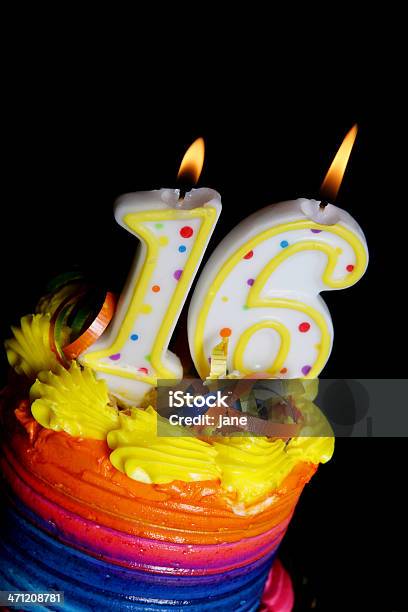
pixel 100 507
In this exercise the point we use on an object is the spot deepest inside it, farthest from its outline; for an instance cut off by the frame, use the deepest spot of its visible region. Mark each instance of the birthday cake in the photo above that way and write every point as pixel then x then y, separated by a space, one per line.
pixel 108 504
pixel 102 508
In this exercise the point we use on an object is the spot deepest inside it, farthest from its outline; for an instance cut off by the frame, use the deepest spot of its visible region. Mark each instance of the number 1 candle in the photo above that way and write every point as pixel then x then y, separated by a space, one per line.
pixel 260 288
pixel 174 232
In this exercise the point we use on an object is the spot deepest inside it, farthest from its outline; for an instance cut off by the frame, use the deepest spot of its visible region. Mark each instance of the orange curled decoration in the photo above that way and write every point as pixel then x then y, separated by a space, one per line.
pixel 94 331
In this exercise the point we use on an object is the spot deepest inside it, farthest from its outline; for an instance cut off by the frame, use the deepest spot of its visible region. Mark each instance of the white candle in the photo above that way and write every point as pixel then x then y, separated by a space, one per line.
pixel 261 289
pixel 133 353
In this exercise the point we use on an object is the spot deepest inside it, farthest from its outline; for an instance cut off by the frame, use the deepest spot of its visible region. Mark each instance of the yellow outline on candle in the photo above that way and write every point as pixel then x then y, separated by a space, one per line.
pixel 134 222
pixel 238 358
pixel 254 299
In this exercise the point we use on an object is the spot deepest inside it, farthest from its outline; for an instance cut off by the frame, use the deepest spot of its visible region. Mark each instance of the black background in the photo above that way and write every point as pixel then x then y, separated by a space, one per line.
pixel 73 143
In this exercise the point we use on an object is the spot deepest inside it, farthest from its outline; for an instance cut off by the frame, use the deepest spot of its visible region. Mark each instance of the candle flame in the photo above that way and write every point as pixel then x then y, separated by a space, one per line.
pixel 332 181
pixel 192 162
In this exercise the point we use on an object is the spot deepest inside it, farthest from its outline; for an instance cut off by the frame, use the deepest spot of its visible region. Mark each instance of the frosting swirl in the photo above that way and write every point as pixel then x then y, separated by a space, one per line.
pixel 146 457
pixel 73 401
pixel 29 351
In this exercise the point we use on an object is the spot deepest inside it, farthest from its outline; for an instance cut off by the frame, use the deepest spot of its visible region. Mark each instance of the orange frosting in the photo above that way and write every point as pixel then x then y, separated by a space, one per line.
pixel 77 474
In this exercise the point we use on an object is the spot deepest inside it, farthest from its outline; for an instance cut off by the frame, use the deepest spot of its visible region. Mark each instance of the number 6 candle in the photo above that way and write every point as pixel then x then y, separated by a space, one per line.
pixel 174 232
pixel 261 285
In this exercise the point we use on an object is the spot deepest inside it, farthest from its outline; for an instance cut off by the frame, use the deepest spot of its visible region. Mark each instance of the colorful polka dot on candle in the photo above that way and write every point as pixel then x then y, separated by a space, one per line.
pixel 306 369
pixel 350 268
pixel 147 357
pixel 143 370
pixel 316 231
pixel 304 327
pixel 158 225
pixel 156 288
pixel 284 371
pixel 182 248
pixel 225 298
pixel 146 308
pixel 186 231
pixel 115 357
pixel 225 332
pixel 134 337
pixel 163 241
pixel 284 244
pixel 245 307
pixel 177 274
pixel 250 281
pixel 249 255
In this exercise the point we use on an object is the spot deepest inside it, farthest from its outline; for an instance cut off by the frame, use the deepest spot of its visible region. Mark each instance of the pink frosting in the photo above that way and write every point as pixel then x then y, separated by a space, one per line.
pixel 278 593
pixel 143 553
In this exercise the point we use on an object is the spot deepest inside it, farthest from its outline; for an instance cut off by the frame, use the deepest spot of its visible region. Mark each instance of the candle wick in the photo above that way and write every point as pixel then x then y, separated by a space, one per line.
pixel 323 205
pixel 182 193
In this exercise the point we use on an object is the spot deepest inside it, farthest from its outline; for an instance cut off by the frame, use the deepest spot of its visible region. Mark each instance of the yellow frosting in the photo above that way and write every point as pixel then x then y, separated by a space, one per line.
pixel 255 465
pixel 251 466
pixel 316 440
pixel 143 455
pixel 73 401
pixel 29 351
pixel 76 402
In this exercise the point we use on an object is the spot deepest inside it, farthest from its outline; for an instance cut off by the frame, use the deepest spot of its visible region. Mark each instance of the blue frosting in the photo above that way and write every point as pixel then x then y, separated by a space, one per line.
pixel 32 560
